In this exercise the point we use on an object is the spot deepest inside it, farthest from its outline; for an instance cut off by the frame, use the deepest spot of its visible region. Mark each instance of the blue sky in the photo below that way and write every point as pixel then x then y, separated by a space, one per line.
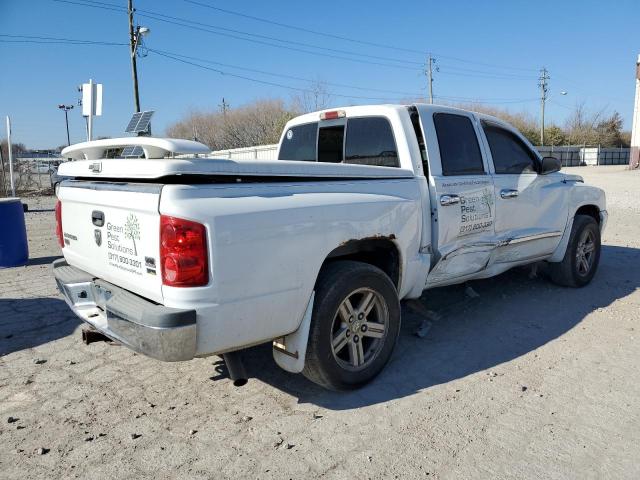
pixel 485 49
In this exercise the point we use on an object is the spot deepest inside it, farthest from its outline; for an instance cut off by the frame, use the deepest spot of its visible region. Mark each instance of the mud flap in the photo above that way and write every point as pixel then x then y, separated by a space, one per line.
pixel 290 351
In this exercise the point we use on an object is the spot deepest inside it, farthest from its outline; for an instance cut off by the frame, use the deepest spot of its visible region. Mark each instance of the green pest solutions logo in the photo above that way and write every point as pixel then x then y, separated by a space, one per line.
pixel 132 230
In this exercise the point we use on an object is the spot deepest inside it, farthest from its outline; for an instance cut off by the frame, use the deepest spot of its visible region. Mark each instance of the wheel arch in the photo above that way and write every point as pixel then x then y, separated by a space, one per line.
pixel 590 210
pixel 379 251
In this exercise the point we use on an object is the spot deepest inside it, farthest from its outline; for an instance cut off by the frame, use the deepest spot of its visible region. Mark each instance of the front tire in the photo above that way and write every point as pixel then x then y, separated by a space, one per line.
pixel 354 327
pixel 582 257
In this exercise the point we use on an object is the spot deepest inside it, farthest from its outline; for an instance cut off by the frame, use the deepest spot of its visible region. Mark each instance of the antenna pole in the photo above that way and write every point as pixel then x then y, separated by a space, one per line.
pixel 10 149
pixel 90 118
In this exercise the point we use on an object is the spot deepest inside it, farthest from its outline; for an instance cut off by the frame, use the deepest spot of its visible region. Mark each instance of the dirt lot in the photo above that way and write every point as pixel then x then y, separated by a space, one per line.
pixel 529 380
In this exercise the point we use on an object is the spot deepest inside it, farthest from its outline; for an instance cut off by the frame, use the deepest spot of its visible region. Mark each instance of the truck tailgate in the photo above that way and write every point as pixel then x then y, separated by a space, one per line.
pixel 112 230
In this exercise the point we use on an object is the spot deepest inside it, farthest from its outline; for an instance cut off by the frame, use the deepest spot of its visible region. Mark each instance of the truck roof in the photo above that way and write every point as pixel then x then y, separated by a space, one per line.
pixel 384 109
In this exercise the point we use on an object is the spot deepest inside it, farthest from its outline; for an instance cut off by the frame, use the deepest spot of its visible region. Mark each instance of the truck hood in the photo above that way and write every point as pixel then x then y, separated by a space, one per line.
pixel 158 168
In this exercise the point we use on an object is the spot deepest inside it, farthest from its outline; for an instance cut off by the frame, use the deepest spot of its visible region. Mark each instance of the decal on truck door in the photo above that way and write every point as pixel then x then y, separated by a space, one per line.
pixel 121 245
pixel 476 211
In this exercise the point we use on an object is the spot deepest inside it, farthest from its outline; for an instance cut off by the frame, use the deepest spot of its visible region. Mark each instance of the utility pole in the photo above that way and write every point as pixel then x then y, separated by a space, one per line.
pixel 430 63
pixel 133 40
pixel 224 106
pixel 66 109
pixel 542 83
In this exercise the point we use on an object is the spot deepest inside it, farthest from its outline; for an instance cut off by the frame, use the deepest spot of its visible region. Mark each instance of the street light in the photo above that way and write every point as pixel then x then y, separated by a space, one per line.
pixel 66 109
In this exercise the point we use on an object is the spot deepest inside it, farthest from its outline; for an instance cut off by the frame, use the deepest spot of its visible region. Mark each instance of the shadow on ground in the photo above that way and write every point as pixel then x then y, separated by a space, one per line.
pixel 514 315
pixel 43 260
pixel 29 322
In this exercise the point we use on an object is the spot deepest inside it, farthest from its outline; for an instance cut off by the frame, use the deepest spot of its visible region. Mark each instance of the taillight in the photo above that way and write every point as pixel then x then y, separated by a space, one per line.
pixel 183 253
pixel 59 224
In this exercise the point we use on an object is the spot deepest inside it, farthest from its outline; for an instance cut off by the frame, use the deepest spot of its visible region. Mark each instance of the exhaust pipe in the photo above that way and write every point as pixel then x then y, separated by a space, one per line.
pixel 235 367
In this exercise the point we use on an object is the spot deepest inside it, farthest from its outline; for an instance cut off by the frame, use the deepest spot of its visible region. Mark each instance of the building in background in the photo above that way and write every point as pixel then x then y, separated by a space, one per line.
pixel 634 159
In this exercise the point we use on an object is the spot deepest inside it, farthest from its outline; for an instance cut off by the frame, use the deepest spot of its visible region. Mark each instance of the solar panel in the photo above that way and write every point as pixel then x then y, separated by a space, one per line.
pixel 139 122
pixel 133 151
pixel 133 122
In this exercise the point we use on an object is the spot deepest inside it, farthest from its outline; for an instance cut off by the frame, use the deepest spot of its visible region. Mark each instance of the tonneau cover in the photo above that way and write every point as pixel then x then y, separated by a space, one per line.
pixel 158 168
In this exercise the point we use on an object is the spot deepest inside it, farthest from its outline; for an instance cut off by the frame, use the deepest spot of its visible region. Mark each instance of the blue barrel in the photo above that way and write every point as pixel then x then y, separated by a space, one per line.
pixel 14 249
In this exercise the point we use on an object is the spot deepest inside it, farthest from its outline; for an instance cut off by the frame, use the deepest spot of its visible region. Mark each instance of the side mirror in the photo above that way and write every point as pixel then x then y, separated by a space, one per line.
pixel 550 165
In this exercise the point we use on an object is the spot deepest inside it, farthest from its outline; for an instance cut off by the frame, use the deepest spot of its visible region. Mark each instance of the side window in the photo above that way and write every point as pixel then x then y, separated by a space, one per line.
pixel 370 142
pixel 510 154
pixel 459 149
pixel 299 143
pixel 330 144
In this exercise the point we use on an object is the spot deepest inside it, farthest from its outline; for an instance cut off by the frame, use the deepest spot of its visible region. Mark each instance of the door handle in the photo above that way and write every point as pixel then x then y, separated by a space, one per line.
pixel 446 200
pixel 507 193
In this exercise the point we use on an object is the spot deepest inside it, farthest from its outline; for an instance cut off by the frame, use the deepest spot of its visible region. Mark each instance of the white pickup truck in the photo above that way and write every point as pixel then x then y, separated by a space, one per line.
pixel 188 256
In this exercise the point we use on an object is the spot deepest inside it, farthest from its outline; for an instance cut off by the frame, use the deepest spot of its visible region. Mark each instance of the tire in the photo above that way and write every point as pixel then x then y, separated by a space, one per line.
pixel 578 267
pixel 348 347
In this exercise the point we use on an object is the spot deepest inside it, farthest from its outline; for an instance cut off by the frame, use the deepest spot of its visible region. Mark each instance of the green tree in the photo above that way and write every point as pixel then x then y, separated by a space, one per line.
pixel 554 135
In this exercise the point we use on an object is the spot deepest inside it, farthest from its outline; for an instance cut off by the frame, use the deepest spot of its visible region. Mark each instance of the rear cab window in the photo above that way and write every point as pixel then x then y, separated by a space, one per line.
pixel 357 140
pixel 459 149
pixel 370 141
pixel 299 143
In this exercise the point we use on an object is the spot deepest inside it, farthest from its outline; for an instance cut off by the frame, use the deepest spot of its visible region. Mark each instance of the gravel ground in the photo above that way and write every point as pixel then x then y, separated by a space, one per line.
pixel 529 380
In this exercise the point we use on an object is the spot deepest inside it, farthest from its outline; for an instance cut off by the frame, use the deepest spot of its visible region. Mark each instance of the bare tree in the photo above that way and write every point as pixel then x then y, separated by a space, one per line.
pixel 315 97
pixel 256 124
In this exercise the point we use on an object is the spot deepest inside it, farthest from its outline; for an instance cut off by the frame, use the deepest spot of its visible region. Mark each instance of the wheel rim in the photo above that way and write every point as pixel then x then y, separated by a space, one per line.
pixel 585 253
pixel 359 328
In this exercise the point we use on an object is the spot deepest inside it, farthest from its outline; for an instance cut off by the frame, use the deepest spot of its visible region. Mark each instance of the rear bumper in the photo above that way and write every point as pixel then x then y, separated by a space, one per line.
pixel 164 333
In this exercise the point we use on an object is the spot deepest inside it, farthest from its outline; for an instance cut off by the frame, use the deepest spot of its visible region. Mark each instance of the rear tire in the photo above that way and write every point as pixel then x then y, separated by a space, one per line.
pixel 581 259
pixel 354 326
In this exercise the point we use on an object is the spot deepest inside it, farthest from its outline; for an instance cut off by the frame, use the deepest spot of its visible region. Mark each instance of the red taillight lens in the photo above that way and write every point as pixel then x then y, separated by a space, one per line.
pixel 59 224
pixel 183 253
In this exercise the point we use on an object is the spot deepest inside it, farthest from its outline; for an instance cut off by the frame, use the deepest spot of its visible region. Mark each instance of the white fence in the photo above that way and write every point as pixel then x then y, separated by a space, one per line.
pixel 260 152
pixel 568 156
pixel 576 156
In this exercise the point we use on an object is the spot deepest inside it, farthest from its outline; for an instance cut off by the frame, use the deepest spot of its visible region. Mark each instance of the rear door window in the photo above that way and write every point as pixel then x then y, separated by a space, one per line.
pixel 299 143
pixel 459 149
pixel 370 142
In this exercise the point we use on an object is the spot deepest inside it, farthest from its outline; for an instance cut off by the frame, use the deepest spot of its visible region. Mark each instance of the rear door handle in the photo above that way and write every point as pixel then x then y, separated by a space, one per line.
pixel 508 193
pixel 446 200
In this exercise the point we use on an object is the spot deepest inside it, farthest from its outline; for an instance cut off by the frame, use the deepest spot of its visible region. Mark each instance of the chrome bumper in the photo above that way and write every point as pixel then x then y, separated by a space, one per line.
pixel 160 332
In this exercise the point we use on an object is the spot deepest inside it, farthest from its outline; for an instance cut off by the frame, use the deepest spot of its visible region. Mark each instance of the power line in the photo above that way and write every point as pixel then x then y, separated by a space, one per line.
pixel 305 90
pixel 42 39
pixel 486 100
pixel 282 75
pixel 399 63
pixel 307 30
pixel 195 25
pixel 191 23
pixel 485 72
pixel 255 80
pixel 349 39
